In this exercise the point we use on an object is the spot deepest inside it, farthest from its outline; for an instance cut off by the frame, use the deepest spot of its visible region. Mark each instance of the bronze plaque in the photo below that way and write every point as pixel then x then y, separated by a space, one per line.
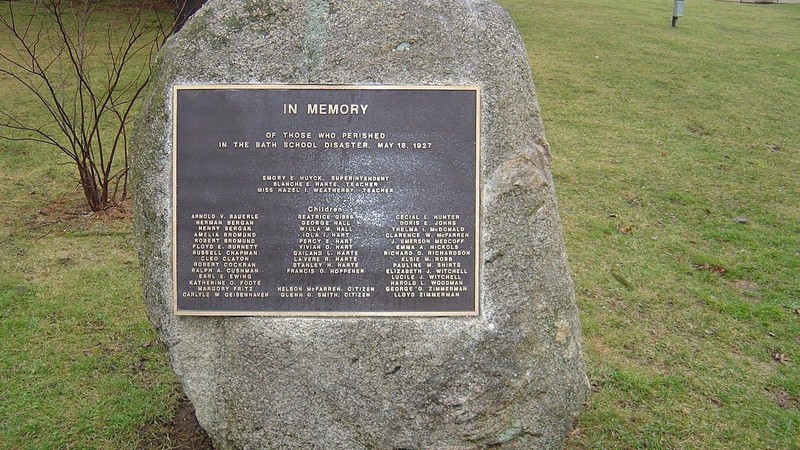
pixel 326 200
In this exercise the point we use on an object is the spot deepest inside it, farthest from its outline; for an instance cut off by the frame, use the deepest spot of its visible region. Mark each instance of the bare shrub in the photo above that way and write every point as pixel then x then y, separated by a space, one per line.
pixel 86 63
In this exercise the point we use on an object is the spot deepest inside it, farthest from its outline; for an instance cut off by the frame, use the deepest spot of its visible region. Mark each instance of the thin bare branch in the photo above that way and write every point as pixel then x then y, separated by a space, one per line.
pixel 54 56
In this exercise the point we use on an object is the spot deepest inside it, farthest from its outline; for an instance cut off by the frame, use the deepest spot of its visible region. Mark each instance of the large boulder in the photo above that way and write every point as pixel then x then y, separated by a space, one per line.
pixel 512 377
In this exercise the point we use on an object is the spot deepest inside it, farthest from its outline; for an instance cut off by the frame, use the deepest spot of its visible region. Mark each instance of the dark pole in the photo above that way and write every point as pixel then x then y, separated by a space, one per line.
pixel 677 11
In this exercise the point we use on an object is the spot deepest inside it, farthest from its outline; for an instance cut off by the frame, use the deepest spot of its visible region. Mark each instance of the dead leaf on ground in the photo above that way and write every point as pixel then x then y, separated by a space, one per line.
pixel 706 267
pixel 779 357
pixel 626 230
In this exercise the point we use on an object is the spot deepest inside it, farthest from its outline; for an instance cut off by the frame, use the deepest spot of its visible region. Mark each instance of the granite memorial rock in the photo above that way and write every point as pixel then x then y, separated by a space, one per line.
pixel 348 229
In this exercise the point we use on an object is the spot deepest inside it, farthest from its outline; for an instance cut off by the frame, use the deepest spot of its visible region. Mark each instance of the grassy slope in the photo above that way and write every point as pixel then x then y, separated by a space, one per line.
pixel 661 138
pixel 77 364
pixel 78 367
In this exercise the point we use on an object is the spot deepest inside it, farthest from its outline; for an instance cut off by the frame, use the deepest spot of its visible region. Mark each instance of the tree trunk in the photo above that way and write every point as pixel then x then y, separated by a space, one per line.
pixel 90 189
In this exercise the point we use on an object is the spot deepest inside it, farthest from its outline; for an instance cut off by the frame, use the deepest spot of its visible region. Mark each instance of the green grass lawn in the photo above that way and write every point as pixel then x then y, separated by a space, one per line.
pixel 677 167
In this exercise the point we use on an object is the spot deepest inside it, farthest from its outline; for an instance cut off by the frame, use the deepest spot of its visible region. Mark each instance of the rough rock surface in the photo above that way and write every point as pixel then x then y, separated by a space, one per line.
pixel 512 378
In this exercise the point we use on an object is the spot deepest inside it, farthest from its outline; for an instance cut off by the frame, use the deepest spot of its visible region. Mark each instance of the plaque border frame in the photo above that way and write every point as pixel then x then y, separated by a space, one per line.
pixel 475 312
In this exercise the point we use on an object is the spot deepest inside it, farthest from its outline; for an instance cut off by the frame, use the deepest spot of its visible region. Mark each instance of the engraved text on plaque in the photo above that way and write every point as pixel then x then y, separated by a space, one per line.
pixel 325 200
